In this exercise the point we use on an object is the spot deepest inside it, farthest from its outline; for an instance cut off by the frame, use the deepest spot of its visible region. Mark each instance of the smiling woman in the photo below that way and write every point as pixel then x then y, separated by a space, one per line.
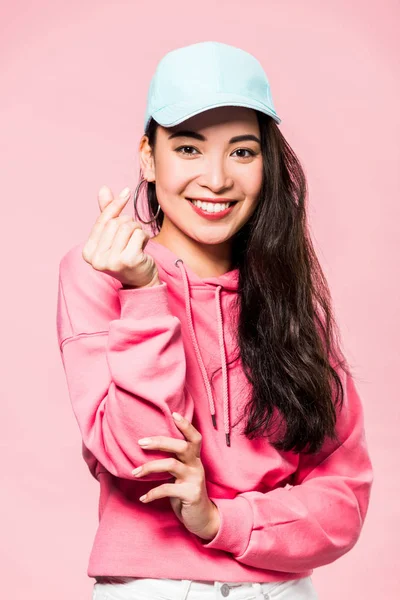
pixel 222 316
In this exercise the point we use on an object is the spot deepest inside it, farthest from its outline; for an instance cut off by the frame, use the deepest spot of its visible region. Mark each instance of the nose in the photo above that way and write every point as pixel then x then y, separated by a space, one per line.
pixel 216 177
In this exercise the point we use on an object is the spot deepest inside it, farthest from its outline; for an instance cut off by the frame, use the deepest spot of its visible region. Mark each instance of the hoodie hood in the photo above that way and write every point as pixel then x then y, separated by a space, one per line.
pixel 173 267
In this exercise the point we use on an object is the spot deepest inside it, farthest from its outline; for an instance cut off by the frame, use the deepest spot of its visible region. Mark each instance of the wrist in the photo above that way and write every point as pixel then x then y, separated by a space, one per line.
pixel 153 282
pixel 213 526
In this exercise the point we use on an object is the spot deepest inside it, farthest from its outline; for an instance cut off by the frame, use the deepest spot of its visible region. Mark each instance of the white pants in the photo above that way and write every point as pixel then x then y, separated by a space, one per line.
pixel 187 589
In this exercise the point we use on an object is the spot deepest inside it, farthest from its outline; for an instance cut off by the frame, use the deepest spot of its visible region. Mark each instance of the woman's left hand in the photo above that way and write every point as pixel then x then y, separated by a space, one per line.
pixel 188 493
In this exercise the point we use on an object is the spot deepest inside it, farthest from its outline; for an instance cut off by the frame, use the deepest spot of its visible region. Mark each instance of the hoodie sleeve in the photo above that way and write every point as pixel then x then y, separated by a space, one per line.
pixel 124 362
pixel 317 520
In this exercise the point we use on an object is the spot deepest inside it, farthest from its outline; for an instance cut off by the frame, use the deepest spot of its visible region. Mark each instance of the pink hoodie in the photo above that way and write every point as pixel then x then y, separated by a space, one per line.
pixel 131 358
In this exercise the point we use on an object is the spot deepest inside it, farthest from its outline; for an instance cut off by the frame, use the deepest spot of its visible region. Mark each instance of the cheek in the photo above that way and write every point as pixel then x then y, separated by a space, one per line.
pixel 252 182
pixel 170 176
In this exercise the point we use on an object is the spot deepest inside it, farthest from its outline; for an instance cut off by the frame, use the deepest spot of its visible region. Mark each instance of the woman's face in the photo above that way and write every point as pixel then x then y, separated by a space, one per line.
pixel 199 159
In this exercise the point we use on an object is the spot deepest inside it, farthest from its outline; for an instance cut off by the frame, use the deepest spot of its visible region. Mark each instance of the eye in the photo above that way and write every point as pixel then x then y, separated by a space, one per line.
pixel 178 150
pixel 245 150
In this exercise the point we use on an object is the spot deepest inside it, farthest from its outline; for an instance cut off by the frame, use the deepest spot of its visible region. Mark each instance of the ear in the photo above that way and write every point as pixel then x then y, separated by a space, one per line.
pixel 146 159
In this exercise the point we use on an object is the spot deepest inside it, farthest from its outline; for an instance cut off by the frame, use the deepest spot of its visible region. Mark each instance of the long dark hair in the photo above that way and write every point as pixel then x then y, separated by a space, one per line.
pixel 287 337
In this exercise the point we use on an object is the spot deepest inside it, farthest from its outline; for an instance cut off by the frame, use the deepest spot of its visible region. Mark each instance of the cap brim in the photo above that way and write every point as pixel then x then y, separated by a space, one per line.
pixel 174 114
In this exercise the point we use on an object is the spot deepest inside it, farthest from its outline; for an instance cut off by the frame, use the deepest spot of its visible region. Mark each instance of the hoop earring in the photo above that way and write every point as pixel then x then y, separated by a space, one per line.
pixel 135 202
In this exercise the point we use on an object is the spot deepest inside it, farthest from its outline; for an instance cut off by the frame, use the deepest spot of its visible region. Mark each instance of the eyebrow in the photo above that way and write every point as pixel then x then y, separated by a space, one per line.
pixel 198 136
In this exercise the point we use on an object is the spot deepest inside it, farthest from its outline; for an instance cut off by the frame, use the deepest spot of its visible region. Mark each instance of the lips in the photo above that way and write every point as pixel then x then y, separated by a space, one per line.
pixel 212 216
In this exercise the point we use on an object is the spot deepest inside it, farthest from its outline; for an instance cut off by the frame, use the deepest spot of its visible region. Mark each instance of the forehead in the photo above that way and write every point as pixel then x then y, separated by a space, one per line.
pixel 219 118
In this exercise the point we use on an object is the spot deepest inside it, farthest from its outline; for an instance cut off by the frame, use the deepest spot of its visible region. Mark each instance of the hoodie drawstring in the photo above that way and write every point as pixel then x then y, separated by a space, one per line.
pixel 211 403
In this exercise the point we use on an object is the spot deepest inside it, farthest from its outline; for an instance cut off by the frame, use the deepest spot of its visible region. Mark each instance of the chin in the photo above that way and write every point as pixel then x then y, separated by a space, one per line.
pixel 208 240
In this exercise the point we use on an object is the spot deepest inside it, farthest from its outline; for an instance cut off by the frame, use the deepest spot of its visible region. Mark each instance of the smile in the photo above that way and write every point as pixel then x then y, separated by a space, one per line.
pixel 212 210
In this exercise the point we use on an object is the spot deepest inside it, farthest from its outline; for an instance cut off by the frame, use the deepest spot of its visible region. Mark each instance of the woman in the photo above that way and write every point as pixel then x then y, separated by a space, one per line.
pixel 221 317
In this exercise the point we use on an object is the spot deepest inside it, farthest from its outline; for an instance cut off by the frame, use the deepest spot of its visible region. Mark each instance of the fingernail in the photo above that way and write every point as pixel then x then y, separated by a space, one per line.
pixel 125 192
pixel 137 471
pixel 177 416
pixel 144 441
pixel 104 190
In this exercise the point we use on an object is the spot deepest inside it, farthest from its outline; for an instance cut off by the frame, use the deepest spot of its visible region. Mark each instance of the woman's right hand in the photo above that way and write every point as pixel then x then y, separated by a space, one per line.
pixel 116 244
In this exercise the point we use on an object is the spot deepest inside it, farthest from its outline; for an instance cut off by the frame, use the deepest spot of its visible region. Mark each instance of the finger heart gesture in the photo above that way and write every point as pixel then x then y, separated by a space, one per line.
pixel 116 244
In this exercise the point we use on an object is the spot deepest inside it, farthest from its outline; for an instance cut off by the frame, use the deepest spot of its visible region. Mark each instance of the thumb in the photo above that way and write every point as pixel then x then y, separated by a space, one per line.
pixel 104 197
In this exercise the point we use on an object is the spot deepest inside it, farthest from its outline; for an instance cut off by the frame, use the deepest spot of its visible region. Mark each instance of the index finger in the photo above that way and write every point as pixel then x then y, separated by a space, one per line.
pixel 111 209
pixel 109 206
pixel 164 443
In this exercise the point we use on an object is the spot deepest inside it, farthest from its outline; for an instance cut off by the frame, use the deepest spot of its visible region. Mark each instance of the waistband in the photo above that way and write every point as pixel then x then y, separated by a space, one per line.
pixel 170 585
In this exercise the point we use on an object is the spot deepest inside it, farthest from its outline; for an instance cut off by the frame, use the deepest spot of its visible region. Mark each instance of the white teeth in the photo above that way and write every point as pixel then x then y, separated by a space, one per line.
pixel 210 206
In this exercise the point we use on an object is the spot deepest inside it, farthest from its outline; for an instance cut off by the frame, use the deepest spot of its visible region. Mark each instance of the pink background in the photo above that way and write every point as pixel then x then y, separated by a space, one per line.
pixel 74 79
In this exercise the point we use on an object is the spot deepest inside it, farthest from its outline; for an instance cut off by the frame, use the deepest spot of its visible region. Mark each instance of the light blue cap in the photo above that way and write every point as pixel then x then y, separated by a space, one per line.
pixel 201 76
